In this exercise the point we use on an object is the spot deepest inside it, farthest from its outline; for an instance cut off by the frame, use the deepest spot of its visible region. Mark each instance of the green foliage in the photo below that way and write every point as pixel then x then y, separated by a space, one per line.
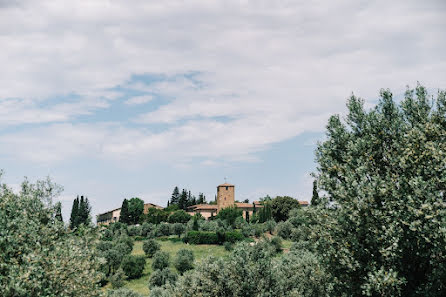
pixel 384 172
pixel 135 211
pixel 233 236
pixel 284 229
pixel 281 207
pixel 124 216
pixel 270 226
pixel 201 237
pixel 229 214
pixel 117 279
pixel 147 229
pixel 276 242
pixel 184 260
pixel 134 230
pixel 315 200
pixel 156 216
pixel 178 229
pixel 150 247
pixel 38 255
pixel 160 260
pixel 80 212
pixel 179 216
pixel 254 271
pixel 228 246
pixel 160 278
pixel 163 229
pixel 264 213
pixel 133 266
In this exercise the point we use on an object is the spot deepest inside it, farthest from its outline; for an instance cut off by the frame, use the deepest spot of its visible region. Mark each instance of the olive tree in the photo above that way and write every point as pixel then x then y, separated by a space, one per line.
pixel 384 174
pixel 39 256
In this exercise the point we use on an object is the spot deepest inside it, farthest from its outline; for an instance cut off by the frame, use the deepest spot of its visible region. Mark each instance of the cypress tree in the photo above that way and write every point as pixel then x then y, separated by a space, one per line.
pixel 182 203
pixel 175 196
pixel 74 213
pixel 83 216
pixel 315 199
pixel 58 212
pixel 124 217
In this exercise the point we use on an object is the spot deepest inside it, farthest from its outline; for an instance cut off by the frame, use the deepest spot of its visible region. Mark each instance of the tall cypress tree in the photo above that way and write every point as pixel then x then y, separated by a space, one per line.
pixel 182 203
pixel 74 213
pixel 315 199
pixel 124 216
pixel 58 212
pixel 175 196
pixel 83 216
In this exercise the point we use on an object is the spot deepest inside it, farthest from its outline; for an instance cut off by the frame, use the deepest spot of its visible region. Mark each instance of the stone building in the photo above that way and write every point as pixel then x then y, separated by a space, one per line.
pixel 112 216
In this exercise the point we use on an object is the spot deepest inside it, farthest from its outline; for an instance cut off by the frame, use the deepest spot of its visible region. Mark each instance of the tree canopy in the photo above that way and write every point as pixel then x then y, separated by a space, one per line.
pixel 384 171
pixel 281 207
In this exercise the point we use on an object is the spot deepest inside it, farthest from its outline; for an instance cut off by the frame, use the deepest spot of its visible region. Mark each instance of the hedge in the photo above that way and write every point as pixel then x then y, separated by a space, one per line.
pixel 207 237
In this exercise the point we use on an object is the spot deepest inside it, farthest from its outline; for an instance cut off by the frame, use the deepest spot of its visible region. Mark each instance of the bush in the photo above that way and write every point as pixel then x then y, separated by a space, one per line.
pixel 178 229
pixel 201 237
pixel 117 279
pixel 134 230
pixel 228 246
pixel 284 229
pixel 179 216
pixel 229 214
pixel 123 248
pixel 247 230
pixel 276 242
pixel 125 239
pixel 184 261
pixel 147 229
pixel 259 229
pixel 163 229
pixel 160 260
pixel 133 266
pixel 233 236
pixel 122 293
pixel 150 247
pixel 160 278
pixel 270 226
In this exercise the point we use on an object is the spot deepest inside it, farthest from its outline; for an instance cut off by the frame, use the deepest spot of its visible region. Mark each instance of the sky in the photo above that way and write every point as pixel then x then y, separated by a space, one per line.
pixel 118 99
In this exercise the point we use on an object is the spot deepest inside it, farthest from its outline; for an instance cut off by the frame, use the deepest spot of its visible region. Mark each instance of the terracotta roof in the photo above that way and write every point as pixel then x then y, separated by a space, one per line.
pixel 303 202
pixel 246 205
pixel 154 205
pixel 225 185
pixel 202 206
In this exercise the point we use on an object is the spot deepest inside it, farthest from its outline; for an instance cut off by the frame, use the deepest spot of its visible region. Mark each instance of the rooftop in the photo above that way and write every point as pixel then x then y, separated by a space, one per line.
pixel 225 185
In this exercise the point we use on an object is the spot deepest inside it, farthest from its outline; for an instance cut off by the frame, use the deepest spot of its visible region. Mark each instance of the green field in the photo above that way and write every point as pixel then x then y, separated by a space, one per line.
pixel 171 246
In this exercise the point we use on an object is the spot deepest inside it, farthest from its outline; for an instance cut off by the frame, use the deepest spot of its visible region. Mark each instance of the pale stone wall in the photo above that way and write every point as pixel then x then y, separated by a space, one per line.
pixel 225 196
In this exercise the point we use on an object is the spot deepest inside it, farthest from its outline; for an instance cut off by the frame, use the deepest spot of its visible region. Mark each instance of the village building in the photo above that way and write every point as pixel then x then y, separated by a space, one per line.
pixel 112 216
pixel 226 198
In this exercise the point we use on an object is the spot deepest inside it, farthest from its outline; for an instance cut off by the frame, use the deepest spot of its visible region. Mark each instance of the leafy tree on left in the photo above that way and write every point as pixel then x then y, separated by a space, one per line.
pixel 38 255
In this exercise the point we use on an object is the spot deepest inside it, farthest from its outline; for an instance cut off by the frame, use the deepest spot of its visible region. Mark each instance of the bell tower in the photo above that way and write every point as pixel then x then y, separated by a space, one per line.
pixel 225 196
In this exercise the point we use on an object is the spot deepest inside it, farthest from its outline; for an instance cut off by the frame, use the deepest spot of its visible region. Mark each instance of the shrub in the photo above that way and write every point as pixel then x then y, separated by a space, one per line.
pixel 162 277
pixel 163 229
pixel 233 236
pixel 117 279
pixel 133 266
pixel 276 242
pixel 201 237
pixel 284 229
pixel 134 230
pixel 178 229
pixel 150 247
pixel 179 216
pixel 147 229
pixel 228 246
pixel 160 260
pixel 184 261
pixel 247 230
pixel 258 230
pixel 123 248
pixel 123 238
pixel 122 293
pixel 229 214
pixel 270 226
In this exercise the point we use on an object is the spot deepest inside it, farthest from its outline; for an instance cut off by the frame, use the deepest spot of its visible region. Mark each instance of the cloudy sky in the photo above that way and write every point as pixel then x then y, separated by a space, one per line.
pixel 116 99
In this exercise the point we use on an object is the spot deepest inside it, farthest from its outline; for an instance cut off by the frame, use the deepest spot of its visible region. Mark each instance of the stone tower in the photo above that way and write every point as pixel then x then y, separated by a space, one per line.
pixel 225 196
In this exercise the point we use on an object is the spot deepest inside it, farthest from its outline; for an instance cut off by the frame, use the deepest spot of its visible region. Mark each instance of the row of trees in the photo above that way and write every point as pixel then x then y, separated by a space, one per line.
pixel 80 212
pixel 185 199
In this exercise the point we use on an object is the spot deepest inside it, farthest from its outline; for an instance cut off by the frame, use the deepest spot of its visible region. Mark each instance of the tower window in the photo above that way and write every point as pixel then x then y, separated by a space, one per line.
pixel 226 188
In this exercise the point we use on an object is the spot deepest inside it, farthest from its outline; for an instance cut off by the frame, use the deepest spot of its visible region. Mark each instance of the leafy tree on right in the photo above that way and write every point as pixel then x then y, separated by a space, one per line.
pixel 384 173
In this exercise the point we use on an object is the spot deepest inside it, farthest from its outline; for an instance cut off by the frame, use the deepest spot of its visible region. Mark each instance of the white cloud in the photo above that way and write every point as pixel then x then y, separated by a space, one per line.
pixel 238 76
